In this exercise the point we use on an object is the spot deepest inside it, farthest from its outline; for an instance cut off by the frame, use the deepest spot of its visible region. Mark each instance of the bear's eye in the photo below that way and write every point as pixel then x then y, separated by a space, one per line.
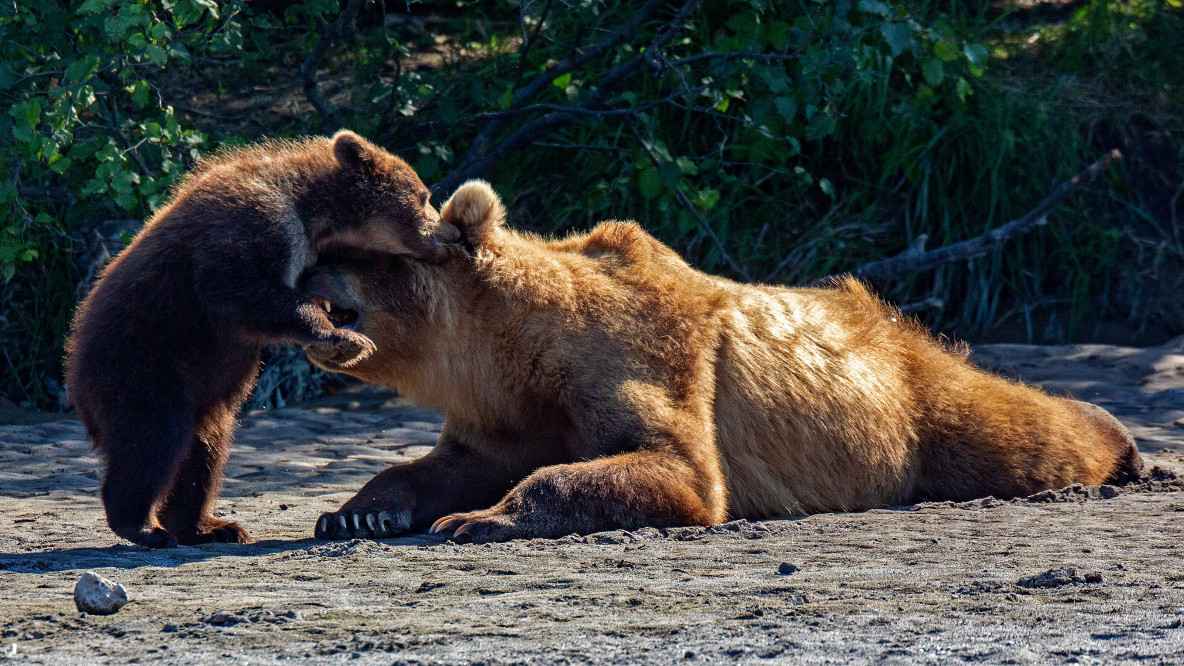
pixel 424 197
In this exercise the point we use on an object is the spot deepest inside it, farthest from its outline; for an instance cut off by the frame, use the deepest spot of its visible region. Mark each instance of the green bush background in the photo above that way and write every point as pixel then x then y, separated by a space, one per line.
pixel 776 141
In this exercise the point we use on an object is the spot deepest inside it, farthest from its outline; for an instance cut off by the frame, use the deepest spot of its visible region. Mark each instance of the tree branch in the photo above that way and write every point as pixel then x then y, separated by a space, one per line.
pixel 916 259
pixel 581 110
pixel 686 203
pixel 308 68
pixel 528 41
pixel 477 161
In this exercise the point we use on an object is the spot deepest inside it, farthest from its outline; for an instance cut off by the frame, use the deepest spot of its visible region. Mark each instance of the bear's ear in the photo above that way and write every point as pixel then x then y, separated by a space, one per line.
pixel 475 209
pixel 352 151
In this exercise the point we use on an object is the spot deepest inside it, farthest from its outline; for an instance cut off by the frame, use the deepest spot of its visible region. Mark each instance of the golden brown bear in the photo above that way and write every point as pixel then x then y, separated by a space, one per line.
pixel 599 382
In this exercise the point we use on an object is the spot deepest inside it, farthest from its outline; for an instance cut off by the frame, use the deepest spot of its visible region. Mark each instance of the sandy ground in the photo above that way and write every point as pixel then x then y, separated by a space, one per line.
pixel 931 583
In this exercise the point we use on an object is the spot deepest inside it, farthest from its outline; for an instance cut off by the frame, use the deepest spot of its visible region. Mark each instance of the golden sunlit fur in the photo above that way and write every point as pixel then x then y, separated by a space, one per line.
pixel 601 382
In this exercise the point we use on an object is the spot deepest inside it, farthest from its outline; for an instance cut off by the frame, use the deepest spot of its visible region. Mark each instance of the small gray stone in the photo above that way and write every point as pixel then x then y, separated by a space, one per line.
pixel 1052 578
pixel 97 595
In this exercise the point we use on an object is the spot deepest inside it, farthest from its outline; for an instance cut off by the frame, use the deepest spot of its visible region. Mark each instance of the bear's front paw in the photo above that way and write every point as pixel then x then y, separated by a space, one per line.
pixel 362 524
pixel 342 350
pixel 483 526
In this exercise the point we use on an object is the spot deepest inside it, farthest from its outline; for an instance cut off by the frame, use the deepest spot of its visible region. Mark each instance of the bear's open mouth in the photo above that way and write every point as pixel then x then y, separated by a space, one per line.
pixel 339 316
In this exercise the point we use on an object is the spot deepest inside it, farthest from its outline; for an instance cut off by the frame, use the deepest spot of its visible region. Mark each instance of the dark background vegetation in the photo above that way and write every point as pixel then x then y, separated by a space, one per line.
pixel 765 140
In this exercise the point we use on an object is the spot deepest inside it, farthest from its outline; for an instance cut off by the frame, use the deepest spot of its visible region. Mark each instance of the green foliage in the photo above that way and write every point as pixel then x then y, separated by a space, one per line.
pixel 808 137
pixel 89 140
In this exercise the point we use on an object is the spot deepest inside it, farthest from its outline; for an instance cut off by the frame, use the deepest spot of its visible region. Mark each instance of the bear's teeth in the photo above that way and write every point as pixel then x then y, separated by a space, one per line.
pixel 328 307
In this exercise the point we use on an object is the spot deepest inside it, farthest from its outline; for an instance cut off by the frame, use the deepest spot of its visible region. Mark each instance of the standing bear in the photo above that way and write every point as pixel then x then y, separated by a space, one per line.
pixel 599 382
pixel 165 348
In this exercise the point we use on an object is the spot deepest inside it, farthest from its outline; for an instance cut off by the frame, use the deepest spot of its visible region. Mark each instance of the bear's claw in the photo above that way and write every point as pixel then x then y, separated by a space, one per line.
pixel 480 526
pixel 362 525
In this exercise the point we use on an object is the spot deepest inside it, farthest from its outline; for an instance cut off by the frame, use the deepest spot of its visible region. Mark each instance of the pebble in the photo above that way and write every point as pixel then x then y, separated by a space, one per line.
pixel 97 595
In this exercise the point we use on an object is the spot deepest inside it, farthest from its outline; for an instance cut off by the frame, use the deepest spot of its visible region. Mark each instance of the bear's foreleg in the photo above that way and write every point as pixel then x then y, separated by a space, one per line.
pixel 625 491
pixel 409 496
pixel 272 312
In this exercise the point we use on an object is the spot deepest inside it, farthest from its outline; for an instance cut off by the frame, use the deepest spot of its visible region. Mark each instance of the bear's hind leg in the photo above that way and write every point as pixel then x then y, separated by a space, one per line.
pixel 141 457
pixel 1117 439
pixel 186 512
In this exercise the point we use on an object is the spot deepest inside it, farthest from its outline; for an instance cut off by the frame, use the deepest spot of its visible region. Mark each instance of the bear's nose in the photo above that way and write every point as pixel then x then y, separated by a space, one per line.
pixel 446 232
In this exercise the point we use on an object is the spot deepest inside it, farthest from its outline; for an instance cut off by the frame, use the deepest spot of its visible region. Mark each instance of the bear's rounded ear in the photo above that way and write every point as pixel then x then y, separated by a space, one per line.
pixel 352 151
pixel 475 209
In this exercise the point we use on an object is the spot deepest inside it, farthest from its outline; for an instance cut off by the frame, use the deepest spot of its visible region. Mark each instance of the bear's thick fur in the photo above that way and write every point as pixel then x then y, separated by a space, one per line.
pixel 600 382
pixel 166 346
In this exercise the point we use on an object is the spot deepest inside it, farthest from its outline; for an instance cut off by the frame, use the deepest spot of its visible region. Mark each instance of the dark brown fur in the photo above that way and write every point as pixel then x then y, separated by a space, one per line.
pixel 599 382
pixel 166 347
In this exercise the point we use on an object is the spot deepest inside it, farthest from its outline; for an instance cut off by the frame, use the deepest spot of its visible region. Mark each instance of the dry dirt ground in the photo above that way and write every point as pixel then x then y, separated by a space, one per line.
pixel 984 581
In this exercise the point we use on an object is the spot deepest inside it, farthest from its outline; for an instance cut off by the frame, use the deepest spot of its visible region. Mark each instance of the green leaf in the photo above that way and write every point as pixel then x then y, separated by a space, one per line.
pixel 977 55
pixel 898 36
pixel 963 89
pixel 156 54
pixel 934 72
pixel 686 166
pixel 872 7
pixel 827 187
pixel 82 69
pixel 820 126
pixel 126 200
pixel 649 183
pixel 562 82
pixel 187 12
pixel 59 164
pixel 7 76
pixel 158 31
pixel 946 51
pixel 707 199
pixel 139 93
pixel 786 107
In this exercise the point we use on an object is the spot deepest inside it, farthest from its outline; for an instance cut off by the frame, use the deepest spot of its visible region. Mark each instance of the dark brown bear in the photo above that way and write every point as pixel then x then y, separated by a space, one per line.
pixel 166 347
pixel 599 382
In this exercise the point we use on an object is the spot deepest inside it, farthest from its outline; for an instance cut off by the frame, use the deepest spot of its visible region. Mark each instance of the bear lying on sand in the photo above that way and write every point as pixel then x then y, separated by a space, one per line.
pixel 599 382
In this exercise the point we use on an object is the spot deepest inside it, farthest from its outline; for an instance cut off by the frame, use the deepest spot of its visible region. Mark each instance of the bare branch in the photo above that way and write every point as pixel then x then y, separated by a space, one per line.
pixel 916 259
pixel 477 149
pixel 308 68
pixel 737 55
pixel 581 110
pixel 528 41
pixel 686 203
pixel 921 306
pixel 476 162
